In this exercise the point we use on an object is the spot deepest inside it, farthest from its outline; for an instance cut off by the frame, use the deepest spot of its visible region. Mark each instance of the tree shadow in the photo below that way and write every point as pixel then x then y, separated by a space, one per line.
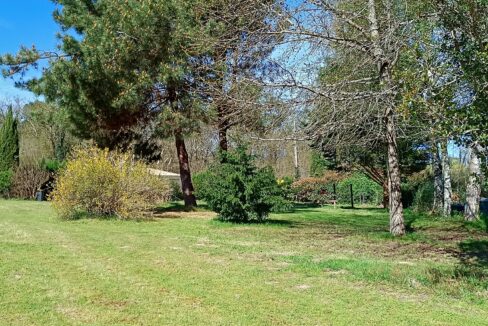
pixel 484 219
pixel 473 261
pixel 275 222
pixel 177 207
pixel 474 253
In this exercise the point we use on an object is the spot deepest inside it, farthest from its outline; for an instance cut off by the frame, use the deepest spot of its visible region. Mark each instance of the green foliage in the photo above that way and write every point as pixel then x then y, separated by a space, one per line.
pixel 365 190
pixel 423 199
pixel 318 164
pixel 5 181
pixel 466 25
pixel 9 150
pixel 237 190
pixel 176 193
pixel 102 183
pixel 52 165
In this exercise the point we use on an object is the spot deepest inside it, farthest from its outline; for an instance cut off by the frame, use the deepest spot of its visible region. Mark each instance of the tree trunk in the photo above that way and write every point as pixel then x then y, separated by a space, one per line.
pixel 473 189
pixel 295 152
pixel 185 174
pixel 223 143
pixel 438 183
pixel 386 194
pixel 397 224
pixel 446 181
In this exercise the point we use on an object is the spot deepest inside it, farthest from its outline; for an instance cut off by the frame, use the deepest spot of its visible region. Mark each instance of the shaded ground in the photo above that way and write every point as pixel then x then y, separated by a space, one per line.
pixel 314 266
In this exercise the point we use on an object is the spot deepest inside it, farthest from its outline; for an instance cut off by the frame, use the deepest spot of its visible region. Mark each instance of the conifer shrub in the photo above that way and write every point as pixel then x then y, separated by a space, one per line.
pixel 9 151
pixel 99 183
pixel 237 190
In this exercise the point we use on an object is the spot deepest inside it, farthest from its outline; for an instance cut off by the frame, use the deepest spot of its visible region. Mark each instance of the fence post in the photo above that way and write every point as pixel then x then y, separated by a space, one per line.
pixel 335 194
pixel 352 196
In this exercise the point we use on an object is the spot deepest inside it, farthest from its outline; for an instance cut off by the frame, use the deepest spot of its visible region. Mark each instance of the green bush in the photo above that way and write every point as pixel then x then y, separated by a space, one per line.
pixel 237 190
pixel 101 183
pixel 365 190
pixel 5 182
pixel 423 200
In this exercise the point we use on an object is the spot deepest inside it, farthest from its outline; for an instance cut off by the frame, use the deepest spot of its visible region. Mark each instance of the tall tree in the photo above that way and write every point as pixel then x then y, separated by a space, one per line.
pixel 465 26
pixel 238 44
pixel 129 65
pixel 9 149
pixel 363 40
pixel 9 141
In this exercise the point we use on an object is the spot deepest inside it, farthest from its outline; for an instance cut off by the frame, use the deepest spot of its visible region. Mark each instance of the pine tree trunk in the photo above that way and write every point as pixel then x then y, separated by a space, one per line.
pixel 438 180
pixel 223 143
pixel 473 189
pixel 446 181
pixel 185 174
pixel 397 224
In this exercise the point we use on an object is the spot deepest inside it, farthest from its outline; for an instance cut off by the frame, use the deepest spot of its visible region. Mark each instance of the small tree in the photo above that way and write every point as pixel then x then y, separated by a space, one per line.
pixel 9 150
pixel 237 190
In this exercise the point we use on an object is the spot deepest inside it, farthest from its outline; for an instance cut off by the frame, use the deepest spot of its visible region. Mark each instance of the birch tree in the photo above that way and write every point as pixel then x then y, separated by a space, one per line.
pixel 365 40
pixel 473 187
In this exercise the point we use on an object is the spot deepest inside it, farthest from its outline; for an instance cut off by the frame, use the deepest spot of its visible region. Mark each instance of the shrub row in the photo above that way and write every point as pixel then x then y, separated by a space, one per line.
pixel 321 190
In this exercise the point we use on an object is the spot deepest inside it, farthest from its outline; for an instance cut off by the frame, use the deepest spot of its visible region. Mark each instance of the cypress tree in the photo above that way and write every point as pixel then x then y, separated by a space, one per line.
pixel 9 149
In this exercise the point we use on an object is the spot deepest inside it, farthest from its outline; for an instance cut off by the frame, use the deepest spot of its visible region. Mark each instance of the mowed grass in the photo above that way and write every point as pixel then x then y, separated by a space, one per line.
pixel 314 266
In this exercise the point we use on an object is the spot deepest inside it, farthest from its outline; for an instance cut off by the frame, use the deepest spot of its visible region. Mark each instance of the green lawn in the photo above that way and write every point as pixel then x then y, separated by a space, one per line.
pixel 315 266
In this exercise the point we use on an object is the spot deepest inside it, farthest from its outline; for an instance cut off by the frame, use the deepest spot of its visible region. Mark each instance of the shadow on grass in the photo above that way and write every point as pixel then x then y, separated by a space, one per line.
pixel 484 219
pixel 275 222
pixel 176 207
pixel 473 262
pixel 474 253
pixel 409 221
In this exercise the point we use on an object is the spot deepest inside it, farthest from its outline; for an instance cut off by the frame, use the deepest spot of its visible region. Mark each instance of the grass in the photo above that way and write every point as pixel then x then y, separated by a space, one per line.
pixel 315 266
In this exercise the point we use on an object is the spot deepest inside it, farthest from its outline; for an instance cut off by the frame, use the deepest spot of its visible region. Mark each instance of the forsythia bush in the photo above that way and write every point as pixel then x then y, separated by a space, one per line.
pixel 102 183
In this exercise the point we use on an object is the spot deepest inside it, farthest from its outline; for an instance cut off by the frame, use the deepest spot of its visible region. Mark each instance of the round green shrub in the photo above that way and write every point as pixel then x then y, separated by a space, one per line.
pixel 237 190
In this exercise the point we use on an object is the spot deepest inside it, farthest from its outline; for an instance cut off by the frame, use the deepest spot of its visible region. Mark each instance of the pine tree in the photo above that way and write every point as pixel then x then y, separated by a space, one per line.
pixel 9 150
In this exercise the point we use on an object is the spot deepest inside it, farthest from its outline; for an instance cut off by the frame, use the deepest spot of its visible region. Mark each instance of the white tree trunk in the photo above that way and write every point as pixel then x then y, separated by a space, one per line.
pixel 473 189
pixel 295 151
pixel 438 183
pixel 446 180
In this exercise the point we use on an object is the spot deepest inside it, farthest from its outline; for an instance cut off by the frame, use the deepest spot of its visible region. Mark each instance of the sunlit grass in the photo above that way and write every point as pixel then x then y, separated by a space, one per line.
pixel 312 266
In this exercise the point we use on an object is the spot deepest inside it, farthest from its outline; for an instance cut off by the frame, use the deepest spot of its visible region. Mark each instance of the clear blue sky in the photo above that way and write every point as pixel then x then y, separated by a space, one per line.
pixel 25 22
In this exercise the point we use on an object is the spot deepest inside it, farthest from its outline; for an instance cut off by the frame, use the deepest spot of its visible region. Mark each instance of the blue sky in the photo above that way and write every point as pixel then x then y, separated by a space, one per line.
pixel 25 22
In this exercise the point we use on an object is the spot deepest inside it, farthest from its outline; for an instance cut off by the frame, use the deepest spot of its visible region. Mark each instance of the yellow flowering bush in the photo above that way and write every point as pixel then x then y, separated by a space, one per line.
pixel 97 182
